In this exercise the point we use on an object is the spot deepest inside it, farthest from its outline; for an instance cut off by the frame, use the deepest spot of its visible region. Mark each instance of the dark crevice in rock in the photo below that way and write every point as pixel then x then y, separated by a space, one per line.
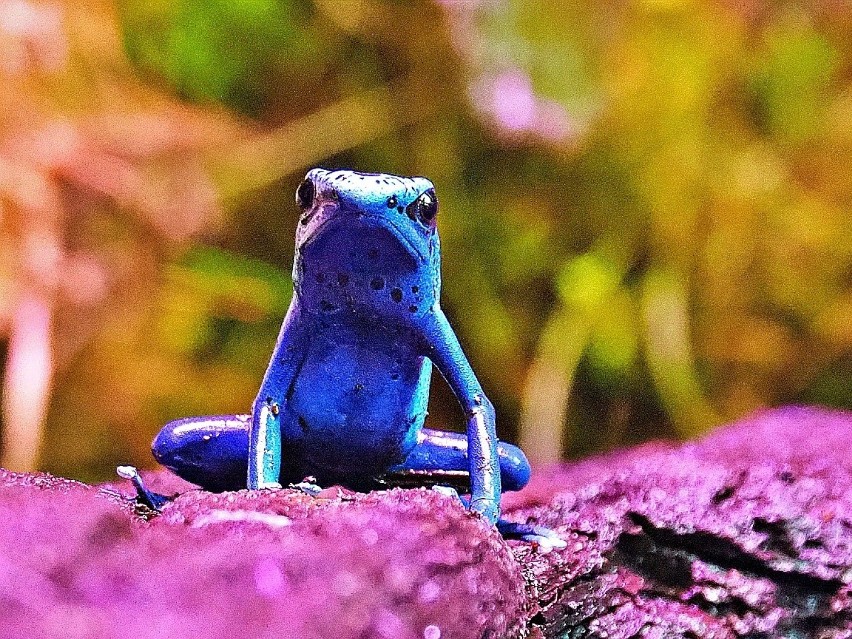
pixel 777 538
pixel 734 606
pixel 572 609
pixel 729 491
pixel 660 563
pixel 727 555
pixel 723 495
pixel 665 558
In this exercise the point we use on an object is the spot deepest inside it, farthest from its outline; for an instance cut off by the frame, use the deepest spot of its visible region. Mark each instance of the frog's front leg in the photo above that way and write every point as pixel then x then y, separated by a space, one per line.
pixel 264 458
pixel 442 347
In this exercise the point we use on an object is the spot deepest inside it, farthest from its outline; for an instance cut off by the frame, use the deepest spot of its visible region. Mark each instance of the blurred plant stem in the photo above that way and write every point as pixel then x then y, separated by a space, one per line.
pixel 83 145
pixel 26 381
pixel 668 351
pixel 586 286
pixel 265 158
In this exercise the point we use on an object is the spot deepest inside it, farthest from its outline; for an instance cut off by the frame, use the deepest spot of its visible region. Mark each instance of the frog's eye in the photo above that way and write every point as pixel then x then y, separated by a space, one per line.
pixel 424 208
pixel 305 194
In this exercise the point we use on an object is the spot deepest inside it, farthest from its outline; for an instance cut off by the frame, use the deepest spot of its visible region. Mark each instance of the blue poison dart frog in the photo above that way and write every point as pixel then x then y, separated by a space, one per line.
pixel 344 398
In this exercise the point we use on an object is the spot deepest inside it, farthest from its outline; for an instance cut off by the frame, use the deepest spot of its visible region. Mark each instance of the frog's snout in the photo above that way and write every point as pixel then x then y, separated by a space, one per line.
pixel 381 214
pixel 378 235
pixel 354 191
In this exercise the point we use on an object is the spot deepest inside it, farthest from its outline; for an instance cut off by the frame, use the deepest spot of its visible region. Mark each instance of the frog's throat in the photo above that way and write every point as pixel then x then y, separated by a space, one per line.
pixel 378 221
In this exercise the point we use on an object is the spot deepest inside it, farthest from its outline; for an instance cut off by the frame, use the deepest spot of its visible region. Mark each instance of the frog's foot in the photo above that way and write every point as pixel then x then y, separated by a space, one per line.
pixel 144 497
pixel 543 538
pixel 308 486
pixel 449 491
pixel 269 485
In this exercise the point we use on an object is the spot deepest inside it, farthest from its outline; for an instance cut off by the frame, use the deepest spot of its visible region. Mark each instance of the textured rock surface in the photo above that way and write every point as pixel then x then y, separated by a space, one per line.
pixel 747 533
pixel 76 563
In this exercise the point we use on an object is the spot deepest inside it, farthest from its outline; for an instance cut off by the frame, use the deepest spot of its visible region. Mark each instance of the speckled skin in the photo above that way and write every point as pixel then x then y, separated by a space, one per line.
pixel 345 395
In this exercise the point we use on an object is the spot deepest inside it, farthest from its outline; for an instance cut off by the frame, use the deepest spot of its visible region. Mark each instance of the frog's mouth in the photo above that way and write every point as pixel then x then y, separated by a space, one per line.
pixel 344 231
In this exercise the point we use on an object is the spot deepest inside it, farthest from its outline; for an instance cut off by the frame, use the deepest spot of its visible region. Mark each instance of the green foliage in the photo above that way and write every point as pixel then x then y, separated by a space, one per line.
pixel 219 49
pixel 644 206
pixel 793 80
pixel 209 286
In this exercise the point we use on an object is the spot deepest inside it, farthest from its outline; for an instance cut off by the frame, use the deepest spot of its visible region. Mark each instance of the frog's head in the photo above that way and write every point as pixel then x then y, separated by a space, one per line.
pixel 367 240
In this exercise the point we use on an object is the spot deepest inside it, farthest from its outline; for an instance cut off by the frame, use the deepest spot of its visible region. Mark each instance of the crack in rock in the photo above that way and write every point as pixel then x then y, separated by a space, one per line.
pixel 666 558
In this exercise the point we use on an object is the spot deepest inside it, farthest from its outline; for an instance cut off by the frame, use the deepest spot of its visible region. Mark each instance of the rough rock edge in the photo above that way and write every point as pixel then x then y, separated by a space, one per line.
pixel 747 533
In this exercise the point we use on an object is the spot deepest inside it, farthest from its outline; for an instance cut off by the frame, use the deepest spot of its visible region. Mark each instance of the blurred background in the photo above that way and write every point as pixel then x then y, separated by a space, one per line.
pixel 645 205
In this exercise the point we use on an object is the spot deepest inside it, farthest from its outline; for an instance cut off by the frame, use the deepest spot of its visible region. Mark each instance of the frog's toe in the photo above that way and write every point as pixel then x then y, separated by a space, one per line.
pixel 150 499
pixel 544 538
pixel 308 486
pixel 448 491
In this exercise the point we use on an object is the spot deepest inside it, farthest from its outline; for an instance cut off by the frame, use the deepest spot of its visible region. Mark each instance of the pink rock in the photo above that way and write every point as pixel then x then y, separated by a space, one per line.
pixel 746 533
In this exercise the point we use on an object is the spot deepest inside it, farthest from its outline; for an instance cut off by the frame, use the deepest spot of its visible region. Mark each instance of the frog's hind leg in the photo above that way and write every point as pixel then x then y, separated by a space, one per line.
pixel 211 452
pixel 440 458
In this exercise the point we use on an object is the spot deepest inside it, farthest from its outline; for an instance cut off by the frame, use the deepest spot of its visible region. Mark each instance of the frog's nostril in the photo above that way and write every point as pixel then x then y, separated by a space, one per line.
pixel 377 284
